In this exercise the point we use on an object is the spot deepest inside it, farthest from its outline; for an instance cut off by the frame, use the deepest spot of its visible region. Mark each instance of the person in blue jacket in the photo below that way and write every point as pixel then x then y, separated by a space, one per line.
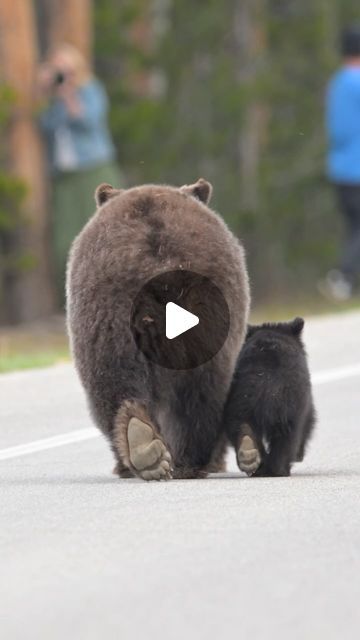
pixel 80 150
pixel 343 163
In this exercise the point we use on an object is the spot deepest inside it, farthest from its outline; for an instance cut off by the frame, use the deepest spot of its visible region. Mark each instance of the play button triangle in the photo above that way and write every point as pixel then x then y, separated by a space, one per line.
pixel 178 320
pixel 179 337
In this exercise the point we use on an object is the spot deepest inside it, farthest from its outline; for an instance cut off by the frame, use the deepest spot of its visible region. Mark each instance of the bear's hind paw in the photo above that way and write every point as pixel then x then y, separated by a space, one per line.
pixel 148 454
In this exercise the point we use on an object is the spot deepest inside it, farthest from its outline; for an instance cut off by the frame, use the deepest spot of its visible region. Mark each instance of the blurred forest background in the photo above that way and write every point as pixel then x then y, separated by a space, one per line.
pixel 232 91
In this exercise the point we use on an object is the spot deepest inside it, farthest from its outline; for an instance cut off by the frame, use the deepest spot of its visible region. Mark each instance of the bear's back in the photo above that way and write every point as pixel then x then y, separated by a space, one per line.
pixel 147 230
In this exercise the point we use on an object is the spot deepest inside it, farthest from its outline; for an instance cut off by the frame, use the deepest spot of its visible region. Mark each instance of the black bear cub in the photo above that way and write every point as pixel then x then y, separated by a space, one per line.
pixel 269 414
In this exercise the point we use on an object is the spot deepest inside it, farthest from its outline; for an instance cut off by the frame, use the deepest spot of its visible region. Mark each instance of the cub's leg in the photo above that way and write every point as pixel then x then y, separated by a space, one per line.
pixel 281 454
pixel 249 449
pixel 138 445
pixel 307 429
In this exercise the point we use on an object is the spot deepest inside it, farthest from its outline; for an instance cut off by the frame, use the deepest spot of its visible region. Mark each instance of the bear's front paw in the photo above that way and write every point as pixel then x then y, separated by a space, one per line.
pixel 148 454
pixel 248 455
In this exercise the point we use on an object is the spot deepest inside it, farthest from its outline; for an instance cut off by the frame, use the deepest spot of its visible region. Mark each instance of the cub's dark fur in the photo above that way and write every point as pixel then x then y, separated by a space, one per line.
pixel 156 419
pixel 270 400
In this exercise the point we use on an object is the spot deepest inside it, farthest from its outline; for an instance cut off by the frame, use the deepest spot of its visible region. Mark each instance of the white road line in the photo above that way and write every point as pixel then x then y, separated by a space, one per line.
pixel 48 443
pixel 331 375
pixel 318 378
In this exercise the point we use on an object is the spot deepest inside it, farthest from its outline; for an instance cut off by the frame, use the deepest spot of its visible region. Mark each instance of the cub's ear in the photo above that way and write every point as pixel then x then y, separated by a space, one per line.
pixel 296 326
pixel 105 192
pixel 201 190
pixel 251 329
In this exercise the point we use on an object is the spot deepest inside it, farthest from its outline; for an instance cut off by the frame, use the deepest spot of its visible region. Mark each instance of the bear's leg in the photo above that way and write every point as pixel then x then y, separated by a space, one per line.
pixel 122 470
pixel 280 456
pixel 306 432
pixel 192 468
pixel 189 414
pixel 218 459
pixel 202 452
pixel 249 450
pixel 138 445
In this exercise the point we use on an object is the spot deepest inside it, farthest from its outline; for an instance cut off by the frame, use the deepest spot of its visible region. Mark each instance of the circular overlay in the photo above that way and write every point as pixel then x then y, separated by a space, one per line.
pixel 153 318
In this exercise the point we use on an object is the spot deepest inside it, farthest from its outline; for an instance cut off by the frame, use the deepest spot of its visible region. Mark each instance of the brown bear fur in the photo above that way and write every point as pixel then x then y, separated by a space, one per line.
pixel 134 235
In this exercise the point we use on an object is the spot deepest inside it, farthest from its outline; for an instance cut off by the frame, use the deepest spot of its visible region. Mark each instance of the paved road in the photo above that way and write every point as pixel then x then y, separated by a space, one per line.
pixel 86 556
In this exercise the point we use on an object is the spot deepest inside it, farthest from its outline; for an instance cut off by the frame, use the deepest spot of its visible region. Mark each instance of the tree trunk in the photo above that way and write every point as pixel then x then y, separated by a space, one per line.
pixel 71 22
pixel 250 42
pixel 18 60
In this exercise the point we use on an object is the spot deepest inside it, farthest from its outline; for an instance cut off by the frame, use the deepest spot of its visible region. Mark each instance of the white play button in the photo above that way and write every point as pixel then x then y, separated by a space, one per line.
pixel 178 320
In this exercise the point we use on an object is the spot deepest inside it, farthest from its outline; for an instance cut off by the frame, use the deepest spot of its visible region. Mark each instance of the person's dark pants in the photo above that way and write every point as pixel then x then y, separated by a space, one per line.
pixel 349 200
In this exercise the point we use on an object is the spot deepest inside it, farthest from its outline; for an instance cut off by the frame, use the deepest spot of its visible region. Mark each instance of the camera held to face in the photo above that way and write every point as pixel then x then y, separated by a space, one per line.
pixel 59 78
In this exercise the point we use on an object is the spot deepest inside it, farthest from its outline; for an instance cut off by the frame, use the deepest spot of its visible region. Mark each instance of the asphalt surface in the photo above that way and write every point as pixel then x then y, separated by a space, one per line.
pixel 84 555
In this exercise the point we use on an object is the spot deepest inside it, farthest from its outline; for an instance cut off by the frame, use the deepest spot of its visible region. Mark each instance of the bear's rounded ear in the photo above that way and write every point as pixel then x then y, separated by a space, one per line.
pixel 201 190
pixel 105 192
pixel 297 326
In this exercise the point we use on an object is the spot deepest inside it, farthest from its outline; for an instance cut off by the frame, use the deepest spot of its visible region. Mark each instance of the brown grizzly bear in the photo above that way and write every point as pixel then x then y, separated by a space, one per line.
pixel 161 422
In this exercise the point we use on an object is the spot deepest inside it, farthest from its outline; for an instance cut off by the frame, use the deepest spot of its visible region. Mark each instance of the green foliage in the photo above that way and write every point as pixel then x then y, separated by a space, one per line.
pixel 7 100
pixel 215 72
pixel 12 189
pixel 12 194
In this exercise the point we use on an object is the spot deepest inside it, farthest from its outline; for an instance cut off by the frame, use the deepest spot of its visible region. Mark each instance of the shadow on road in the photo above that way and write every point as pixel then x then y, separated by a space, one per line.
pixel 110 480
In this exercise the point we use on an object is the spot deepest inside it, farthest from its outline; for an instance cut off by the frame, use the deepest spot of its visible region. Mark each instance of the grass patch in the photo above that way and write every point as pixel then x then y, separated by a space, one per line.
pixel 17 361
pixel 307 308
pixel 33 346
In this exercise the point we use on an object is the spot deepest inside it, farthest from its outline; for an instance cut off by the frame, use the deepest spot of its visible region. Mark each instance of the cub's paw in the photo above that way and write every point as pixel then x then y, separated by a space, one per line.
pixel 148 454
pixel 248 455
pixel 266 471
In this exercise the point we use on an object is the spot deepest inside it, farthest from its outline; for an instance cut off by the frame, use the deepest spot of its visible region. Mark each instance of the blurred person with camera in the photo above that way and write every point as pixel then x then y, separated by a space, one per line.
pixel 343 127
pixel 80 149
